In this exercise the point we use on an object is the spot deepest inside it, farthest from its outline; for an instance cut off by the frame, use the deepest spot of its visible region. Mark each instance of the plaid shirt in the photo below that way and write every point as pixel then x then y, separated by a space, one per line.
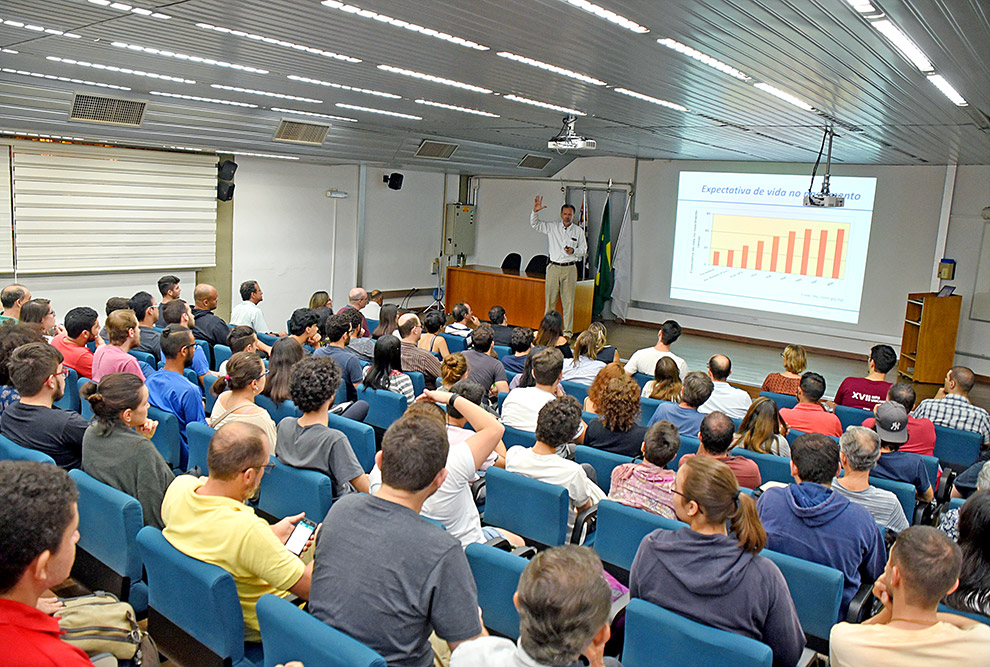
pixel 955 411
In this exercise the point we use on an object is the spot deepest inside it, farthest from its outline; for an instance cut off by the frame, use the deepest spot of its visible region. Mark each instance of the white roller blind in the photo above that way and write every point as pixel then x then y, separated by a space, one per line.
pixel 85 208
pixel 6 233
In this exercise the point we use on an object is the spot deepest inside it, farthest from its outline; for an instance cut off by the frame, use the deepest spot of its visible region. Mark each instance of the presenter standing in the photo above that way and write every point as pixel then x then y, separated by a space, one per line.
pixel 568 246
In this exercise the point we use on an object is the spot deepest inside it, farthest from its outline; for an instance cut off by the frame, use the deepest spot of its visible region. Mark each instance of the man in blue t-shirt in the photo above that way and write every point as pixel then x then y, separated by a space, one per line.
pixel 177 311
pixel 169 390
pixel 891 425
pixel 696 389
pixel 336 334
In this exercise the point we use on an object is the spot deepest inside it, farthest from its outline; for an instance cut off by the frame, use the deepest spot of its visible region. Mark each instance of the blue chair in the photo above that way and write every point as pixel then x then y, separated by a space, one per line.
pixel 211 400
pixel 360 435
pixel 621 529
pixel 198 435
pixel 85 409
pixel 277 412
pixel 205 347
pixel 194 612
pixel 70 399
pixel 418 381
pixel 221 353
pixel 792 435
pixel 931 467
pixel 146 357
pixel 817 594
pixel 289 633
pixel 688 446
pixel 455 343
pixel 641 379
pixel 851 416
pixel 265 338
pixel 956 503
pixel 107 557
pixel 384 407
pixel 534 510
pixel 968 614
pixel 656 637
pixel 647 406
pixel 514 436
pixel 166 438
pixel 772 468
pixel 187 373
pixel 957 449
pixel 11 451
pixel 372 325
pixel 341 395
pixel 501 398
pixel 575 389
pixel 286 491
pixel 496 575
pixel 502 351
pixel 603 462
pixel 782 400
pixel 905 494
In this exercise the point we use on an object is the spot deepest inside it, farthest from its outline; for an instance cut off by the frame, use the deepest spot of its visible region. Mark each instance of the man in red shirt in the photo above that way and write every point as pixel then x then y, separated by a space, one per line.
pixel 809 415
pixel 868 392
pixel 715 437
pixel 39 523
pixel 921 432
pixel 82 325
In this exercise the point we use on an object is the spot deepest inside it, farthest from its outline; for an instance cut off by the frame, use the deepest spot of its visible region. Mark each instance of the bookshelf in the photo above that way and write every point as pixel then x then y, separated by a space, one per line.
pixel 928 342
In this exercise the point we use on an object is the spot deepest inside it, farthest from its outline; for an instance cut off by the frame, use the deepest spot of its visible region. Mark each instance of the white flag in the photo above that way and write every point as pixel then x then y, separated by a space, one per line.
pixel 622 265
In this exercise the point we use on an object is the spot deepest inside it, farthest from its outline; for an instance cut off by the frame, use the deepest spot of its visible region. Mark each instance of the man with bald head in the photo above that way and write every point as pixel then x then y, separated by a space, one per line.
pixel 357 299
pixel 13 297
pixel 414 358
pixel 725 398
pixel 209 326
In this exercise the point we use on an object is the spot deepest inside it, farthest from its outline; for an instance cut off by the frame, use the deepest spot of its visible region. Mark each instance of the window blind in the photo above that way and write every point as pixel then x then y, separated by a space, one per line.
pixel 6 221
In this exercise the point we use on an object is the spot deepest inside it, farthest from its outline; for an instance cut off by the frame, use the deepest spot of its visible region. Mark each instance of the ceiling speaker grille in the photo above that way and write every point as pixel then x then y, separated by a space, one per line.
pixel 530 161
pixel 111 110
pixel 301 133
pixel 435 150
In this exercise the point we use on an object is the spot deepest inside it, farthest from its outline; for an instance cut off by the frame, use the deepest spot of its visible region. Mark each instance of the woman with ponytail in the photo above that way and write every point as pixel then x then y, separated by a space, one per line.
pixel 235 392
pixel 117 448
pixel 706 574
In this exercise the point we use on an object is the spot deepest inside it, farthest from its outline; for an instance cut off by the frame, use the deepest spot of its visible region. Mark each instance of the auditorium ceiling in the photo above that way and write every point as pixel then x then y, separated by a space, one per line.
pixel 673 79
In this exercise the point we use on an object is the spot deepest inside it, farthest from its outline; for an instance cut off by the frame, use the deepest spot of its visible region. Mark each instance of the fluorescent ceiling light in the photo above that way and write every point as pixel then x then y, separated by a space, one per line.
pixel 182 148
pixel 340 86
pixel 608 15
pixel 399 23
pixel 12 51
pixel 451 107
pixel 211 100
pixel 41 136
pixel 543 105
pixel 265 93
pixel 647 98
pixel 434 79
pixel 279 42
pixel 382 112
pixel 66 79
pixel 268 155
pixel 552 68
pixel 38 28
pixel 123 7
pixel 314 114
pixel 193 59
pixel 862 6
pixel 947 90
pixel 703 58
pixel 904 44
pixel 122 70
pixel 787 97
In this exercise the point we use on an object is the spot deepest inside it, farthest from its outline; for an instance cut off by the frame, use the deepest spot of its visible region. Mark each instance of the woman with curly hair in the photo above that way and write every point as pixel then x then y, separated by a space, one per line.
pixel 666 382
pixel 610 372
pixel 762 430
pixel 616 429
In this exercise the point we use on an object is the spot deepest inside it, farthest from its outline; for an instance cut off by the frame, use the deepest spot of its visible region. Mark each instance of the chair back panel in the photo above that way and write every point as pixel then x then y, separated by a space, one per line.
pixel 603 462
pixel 816 590
pixel 782 400
pixel 527 507
pixel 286 491
pixel 956 448
pixel 166 438
pixel 455 343
pixel 11 451
pixel 621 529
pixel 384 407
pixel 198 435
pixel 772 468
pixel 360 435
pixel 496 574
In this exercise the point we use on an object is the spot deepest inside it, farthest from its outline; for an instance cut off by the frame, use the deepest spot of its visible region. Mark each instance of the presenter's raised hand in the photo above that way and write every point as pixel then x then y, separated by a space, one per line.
pixel 538 205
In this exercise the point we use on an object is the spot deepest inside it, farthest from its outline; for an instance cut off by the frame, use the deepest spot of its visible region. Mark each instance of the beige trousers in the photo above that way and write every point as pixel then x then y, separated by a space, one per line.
pixel 561 282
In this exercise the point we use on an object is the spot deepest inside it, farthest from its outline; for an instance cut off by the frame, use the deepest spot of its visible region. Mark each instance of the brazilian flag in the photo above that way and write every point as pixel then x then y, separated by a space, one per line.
pixel 603 274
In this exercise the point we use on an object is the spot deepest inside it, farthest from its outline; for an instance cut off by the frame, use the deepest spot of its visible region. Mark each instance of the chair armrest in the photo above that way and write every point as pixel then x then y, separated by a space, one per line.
pixel 861 606
pixel 104 660
pixel 924 514
pixel 945 487
pixel 500 543
pixel 525 552
pixel 479 491
pixel 588 518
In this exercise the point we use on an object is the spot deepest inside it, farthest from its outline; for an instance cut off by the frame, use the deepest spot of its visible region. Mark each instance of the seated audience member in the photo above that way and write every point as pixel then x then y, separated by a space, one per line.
pixel 12 297
pixel 360 344
pixel 413 358
pixel 525 378
pixel 39 528
pixel 891 426
pixel 809 520
pixel 456 431
pixel 923 567
pixel 684 415
pixel 286 353
pixel 725 398
pixel 502 332
pixel 12 336
pixel 385 372
pixel 421 579
pixel 702 573
pixel 177 311
pixel 948 521
pixel 39 312
pixel 321 302
pixel 666 383
pixel 82 325
pixel 169 390
pixel 146 313
pixel 431 340
pixel 357 299
pixel 859 452
pixel 809 415
pixel 209 326
pixel 168 287
pixel 117 448
pixel 308 441
pixel 648 485
pixel 617 428
pixel 464 321
pixel 114 304
pixel 605 375
pixel 551 334
pixel 486 370
pixel 336 334
pixel 795 361
pixel 584 365
pixel 762 430
pixel 558 421
pixel 239 339
pixel 388 324
pixel 715 439
pixel 38 375
pixel 564 604
pixel 124 336
pixel 645 360
pixel 207 518
pixel 973 594
pixel 523 404
pixel 235 392
pixel 304 326
pixel 453 369
pixel 921 432
pixel 248 312
pixel 520 343
pixel 373 304
pixel 607 353
pixel 866 393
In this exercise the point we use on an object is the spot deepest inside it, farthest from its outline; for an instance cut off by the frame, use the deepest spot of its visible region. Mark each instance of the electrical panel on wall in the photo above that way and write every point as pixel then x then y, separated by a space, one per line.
pixel 459 231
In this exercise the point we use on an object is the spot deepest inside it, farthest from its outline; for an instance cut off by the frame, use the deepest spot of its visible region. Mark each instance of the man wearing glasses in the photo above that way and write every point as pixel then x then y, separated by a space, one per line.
pixel 413 358
pixel 207 519
pixel 169 390
pixel 37 373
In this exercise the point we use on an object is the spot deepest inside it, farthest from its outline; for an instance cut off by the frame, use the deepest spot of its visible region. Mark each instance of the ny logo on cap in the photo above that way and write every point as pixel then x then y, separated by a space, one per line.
pixel 895 426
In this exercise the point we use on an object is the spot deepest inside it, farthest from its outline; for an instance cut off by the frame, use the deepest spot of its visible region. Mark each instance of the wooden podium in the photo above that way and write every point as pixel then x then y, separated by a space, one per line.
pixel 521 294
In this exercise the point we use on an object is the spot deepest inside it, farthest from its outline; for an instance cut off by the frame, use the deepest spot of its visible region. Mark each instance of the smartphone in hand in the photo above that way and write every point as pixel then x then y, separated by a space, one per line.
pixel 300 536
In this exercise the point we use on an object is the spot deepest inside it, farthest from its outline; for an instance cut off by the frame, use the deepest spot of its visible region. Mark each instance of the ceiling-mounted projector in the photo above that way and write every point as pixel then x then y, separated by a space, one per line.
pixel 824 198
pixel 568 139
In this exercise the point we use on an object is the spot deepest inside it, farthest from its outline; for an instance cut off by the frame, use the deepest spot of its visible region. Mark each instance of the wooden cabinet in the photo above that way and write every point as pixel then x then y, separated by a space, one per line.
pixel 928 344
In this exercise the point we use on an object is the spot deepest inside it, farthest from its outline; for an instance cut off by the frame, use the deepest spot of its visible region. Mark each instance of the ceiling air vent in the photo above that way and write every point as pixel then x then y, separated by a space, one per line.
pixel 436 150
pixel 97 109
pixel 301 133
pixel 534 162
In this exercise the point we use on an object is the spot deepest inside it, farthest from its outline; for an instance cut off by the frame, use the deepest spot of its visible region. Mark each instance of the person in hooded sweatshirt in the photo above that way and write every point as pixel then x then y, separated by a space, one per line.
pixel 706 575
pixel 647 485
pixel 809 520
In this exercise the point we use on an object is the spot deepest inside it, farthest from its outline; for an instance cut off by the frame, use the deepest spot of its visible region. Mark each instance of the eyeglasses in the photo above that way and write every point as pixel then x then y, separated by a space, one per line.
pixel 266 466
pixel 264 374
pixel 64 373
pixel 678 493
pixel 186 347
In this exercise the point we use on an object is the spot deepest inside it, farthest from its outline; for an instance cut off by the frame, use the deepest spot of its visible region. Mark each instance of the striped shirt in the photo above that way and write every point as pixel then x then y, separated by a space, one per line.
pixel 882 504
pixel 955 411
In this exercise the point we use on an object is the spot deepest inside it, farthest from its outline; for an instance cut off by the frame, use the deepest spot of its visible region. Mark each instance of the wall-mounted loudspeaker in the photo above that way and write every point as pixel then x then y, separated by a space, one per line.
pixel 225 178
pixel 394 181
pixel 225 190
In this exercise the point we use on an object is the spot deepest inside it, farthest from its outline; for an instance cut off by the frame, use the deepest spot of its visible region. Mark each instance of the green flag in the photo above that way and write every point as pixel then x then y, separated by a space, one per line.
pixel 603 274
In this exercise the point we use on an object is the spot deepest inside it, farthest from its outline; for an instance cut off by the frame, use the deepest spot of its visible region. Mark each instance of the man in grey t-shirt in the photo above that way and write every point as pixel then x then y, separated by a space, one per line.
pixel 483 368
pixel 383 574
pixel 859 453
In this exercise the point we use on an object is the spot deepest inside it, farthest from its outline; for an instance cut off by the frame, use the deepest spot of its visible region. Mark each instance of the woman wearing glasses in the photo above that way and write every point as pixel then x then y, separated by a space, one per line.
pixel 235 392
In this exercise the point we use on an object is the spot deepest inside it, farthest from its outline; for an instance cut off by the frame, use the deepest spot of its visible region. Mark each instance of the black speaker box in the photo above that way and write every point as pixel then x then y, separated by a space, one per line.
pixel 394 181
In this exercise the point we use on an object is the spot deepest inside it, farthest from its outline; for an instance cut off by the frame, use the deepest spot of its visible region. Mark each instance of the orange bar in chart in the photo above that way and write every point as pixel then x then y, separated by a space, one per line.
pixel 729 260
pixel 773 253
pixel 837 259
pixel 745 259
pixel 822 245
pixel 715 258
pixel 807 252
pixel 790 252
pixel 759 255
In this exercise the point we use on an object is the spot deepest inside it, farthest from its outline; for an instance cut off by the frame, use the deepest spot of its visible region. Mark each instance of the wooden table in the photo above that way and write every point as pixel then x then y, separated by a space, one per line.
pixel 521 294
